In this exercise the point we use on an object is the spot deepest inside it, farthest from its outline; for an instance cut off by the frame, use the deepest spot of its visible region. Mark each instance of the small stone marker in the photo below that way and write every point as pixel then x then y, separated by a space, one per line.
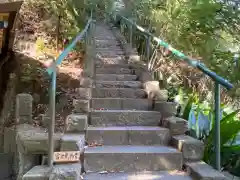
pixel 66 156
pixel 24 108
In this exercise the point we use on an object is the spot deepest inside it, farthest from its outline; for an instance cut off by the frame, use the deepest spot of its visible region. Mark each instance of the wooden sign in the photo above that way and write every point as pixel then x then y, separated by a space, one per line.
pixel 8 15
pixel 66 156
pixel 3 25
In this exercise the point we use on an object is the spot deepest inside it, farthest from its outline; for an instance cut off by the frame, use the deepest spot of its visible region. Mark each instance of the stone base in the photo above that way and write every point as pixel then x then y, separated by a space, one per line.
pixel 38 173
pixel 201 170
pixel 119 84
pixel 73 142
pixel 191 148
pixel 177 126
pixel 66 171
pixel 167 109
pixel 59 172
pixel 148 175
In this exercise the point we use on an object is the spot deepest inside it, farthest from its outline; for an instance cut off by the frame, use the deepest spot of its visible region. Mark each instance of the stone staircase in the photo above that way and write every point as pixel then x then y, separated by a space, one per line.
pixel 127 127
pixel 127 123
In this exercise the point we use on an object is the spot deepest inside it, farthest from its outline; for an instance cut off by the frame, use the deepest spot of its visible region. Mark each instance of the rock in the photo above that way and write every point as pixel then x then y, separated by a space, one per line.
pixel 177 126
pixel 145 76
pixel 158 95
pixel 76 123
pixel 201 170
pixel 86 82
pixel 154 92
pixel 167 109
pixel 81 106
pixel 192 149
pixel 73 142
pixel 38 173
pixel 34 140
pixel 66 171
pixel 151 86
pixel 84 93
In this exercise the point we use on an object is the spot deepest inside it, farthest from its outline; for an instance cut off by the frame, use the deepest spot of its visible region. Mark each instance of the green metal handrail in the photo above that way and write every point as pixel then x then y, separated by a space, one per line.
pixel 194 63
pixel 52 71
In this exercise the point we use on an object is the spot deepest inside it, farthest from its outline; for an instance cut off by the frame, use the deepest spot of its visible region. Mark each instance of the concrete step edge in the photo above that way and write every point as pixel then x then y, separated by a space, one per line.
pixel 126 128
pixel 129 149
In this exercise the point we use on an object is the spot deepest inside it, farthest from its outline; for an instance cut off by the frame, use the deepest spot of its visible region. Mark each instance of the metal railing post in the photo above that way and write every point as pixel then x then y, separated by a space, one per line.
pixel 130 35
pixel 121 27
pixel 52 118
pixel 217 128
pixel 148 41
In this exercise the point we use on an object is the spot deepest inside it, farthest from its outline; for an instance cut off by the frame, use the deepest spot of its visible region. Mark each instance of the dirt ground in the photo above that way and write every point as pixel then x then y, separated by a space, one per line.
pixel 35 81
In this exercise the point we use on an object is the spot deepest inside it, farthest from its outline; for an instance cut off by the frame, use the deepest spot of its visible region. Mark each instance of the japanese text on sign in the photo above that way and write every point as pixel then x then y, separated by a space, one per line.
pixel 66 156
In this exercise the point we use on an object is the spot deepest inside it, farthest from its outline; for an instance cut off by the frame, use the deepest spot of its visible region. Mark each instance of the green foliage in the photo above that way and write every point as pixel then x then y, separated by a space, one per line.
pixel 188 107
pixel 40 45
pixel 74 13
pixel 230 127
pixel 202 29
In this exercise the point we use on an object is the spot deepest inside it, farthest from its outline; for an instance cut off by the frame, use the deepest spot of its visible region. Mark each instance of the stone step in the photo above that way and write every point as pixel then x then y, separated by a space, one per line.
pixel 100 64
pixel 200 170
pixel 72 171
pixel 112 48
pixel 106 41
pixel 116 77
pixel 118 93
pixel 107 60
pixel 107 50
pixel 110 53
pixel 61 171
pixel 106 45
pixel 132 158
pixel 114 55
pixel 113 70
pixel 121 103
pixel 128 135
pixel 82 93
pixel 124 118
pixel 119 84
pixel 148 175
pixel 99 38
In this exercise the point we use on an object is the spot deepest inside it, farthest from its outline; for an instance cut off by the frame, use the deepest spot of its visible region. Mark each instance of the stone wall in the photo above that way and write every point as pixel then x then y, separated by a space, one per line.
pixel 8 106
pixel 7 140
